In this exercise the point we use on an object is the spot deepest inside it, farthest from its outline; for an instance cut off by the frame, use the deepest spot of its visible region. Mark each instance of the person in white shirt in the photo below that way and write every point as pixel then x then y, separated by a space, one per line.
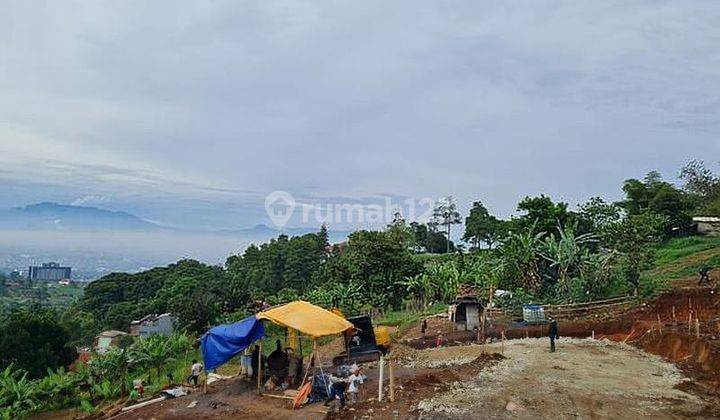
pixel 355 379
pixel 195 370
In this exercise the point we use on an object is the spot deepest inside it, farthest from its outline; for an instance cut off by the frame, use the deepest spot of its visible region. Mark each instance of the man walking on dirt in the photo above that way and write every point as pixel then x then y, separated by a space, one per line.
pixel 553 333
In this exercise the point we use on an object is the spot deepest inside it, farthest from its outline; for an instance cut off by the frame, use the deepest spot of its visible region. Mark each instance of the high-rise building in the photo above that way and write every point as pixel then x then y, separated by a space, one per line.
pixel 49 272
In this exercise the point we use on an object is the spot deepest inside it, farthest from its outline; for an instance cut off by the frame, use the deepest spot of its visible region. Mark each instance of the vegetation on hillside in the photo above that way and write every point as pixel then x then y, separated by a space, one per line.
pixel 547 253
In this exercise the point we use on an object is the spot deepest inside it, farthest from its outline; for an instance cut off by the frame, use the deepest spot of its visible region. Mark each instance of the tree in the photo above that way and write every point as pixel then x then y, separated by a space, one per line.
pixel 704 185
pixel 633 238
pixel 652 194
pixel 541 214
pixel 596 215
pixel 445 214
pixel 429 240
pixel 480 225
pixel 377 263
pixel 34 341
pixel 400 231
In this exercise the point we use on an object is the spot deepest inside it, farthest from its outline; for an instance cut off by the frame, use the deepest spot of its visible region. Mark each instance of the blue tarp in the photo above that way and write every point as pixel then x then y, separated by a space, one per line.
pixel 223 342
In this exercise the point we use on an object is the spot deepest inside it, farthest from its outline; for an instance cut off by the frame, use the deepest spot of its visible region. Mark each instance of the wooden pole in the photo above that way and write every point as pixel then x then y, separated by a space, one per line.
pixel 659 323
pixel 502 336
pixel 482 328
pixel 260 368
pixel 392 380
pixel 593 334
pixel 310 362
pixel 697 328
pixel 673 312
pixel 380 379
pixel 205 385
pixel 689 321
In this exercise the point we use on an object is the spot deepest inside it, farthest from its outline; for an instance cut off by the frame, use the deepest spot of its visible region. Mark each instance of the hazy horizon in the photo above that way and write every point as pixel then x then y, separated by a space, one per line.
pixel 191 118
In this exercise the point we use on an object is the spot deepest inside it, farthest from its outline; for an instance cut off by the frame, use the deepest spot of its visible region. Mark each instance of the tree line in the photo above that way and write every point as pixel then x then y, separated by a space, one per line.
pixel 547 252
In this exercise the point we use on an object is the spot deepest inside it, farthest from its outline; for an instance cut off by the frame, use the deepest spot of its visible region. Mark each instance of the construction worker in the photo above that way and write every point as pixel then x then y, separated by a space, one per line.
pixel 553 333
pixel 704 273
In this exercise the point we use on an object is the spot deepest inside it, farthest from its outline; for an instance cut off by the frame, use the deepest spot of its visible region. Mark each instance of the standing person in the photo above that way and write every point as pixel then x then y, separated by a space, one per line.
pixel 195 370
pixel 354 381
pixel 553 333
pixel 704 274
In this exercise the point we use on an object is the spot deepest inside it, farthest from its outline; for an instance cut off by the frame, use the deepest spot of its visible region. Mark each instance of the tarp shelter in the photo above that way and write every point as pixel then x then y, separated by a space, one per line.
pixel 223 342
pixel 307 318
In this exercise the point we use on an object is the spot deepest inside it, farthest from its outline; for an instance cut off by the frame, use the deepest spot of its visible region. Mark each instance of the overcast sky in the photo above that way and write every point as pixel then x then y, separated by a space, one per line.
pixel 192 112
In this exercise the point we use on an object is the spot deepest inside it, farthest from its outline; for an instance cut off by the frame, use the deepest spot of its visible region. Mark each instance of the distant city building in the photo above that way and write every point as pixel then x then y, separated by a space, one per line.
pixel 49 272
pixel 16 276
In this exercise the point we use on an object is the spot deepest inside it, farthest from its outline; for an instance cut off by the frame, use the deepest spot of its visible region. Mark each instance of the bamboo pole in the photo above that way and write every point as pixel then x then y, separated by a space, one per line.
pixel 260 368
pixel 392 380
pixel 380 380
pixel 310 362
pixel 482 328
pixel 689 321
pixel 502 335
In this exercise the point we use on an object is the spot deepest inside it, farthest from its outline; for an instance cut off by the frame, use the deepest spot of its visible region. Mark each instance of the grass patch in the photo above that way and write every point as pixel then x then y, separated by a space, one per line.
pixel 404 319
pixel 682 257
pixel 679 248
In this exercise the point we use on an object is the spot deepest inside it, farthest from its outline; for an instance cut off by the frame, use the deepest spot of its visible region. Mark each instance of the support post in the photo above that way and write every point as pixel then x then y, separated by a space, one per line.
pixel 310 363
pixel 593 334
pixel 381 365
pixel 697 328
pixel 659 323
pixel 482 328
pixel 502 336
pixel 392 380
pixel 673 313
pixel 689 320
pixel 260 368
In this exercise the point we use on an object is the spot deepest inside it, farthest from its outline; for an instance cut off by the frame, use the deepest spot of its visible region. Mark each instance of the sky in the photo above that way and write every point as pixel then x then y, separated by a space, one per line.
pixel 190 113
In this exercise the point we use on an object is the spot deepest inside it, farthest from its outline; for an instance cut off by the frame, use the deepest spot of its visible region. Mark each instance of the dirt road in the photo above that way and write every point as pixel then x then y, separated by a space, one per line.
pixel 583 379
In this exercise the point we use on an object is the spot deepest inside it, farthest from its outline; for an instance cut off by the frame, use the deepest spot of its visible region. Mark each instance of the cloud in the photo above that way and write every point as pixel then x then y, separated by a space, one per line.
pixel 180 109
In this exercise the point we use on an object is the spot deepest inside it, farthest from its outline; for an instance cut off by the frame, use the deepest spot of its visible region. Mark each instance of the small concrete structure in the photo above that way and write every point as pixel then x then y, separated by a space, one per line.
pixel 466 310
pixel 153 324
pixel 107 340
pixel 706 225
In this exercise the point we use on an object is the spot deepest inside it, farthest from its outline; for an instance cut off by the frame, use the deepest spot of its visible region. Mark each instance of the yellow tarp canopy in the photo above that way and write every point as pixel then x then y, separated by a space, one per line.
pixel 307 318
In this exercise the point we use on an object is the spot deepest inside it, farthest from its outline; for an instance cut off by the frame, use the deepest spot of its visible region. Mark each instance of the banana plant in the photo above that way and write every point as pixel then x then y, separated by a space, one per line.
pixel 18 394
pixel 520 253
pixel 564 253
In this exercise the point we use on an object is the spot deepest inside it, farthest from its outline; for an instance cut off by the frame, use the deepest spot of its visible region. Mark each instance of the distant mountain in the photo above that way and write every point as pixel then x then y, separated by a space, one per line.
pixel 56 216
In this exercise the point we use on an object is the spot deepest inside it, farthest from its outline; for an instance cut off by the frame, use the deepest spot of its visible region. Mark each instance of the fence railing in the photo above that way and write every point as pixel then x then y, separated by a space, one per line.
pixel 569 310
